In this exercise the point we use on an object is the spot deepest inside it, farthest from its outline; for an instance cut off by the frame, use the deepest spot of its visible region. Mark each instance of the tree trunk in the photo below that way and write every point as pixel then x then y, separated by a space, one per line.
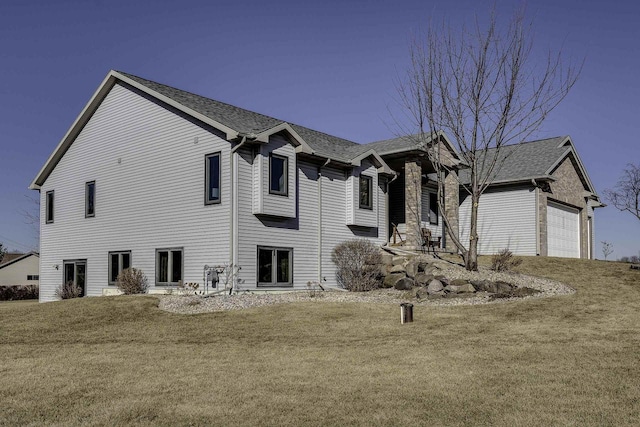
pixel 471 261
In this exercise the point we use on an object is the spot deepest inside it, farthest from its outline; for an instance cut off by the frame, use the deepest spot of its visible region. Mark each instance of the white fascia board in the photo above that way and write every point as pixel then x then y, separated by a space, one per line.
pixel 86 113
pixel 383 167
pixel 572 149
pixel 301 145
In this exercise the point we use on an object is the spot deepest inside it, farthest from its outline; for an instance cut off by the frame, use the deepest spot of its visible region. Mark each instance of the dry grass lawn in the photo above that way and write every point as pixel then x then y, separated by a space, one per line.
pixel 571 360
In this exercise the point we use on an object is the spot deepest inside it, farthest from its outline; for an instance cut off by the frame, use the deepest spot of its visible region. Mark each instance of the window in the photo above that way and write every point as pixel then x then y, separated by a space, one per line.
pixel 49 207
pixel 433 208
pixel 76 272
pixel 90 199
pixel 365 192
pixel 33 277
pixel 278 175
pixel 168 266
pixel 118 261
pixel 212 178
pixel 275 266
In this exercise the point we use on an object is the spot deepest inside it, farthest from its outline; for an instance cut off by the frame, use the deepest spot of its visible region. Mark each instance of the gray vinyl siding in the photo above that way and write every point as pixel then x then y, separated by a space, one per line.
pixel 506 219
pixel 265 203
pixel 355 214
pixel 149 173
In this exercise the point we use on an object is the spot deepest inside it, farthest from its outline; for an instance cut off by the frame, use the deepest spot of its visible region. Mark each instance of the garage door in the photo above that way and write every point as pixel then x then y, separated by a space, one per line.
pixel 563 231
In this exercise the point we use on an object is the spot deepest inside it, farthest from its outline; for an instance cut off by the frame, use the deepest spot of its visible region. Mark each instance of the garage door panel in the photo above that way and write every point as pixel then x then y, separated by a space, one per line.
pixel 563 231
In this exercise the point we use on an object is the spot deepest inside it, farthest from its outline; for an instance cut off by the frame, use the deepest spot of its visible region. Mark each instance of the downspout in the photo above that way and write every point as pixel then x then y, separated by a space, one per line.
pixel 320 278
pixel 537 196
pixel 233 244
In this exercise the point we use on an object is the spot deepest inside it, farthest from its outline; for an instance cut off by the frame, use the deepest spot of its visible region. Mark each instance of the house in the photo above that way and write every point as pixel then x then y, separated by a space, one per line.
pixel 19 269
pixel 174 183
pixel 541 202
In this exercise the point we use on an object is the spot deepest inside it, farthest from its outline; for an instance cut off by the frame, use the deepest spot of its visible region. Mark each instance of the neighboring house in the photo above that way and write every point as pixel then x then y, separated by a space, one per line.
pixel 541 202
pixel 169 182
pixel 20 269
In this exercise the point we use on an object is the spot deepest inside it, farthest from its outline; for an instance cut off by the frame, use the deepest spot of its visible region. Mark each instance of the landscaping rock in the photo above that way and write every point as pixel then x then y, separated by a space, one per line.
pixel 436 295
pixel 458 282
pixel 397 260
pixel 524 292
pixel 422 293
pixel 503 287
pixel 405 284
pixel 397 268
pixel 434 286
pixel 391 279
pixel 423 279
pixel 412 268
pixel 386 258
pixel 466 288
pixel 480 285
pixel 442 279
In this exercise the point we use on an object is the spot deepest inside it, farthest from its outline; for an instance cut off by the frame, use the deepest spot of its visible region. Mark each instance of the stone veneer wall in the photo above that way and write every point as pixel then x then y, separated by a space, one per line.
pixel 569 189
pixel 451 207
pixel 413 201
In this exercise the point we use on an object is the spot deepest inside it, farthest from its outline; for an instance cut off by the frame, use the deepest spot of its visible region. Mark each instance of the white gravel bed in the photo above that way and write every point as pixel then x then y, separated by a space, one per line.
pixel 191 304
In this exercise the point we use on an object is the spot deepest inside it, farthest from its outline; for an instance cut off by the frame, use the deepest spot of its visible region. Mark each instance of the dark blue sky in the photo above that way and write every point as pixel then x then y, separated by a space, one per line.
pixel 329 65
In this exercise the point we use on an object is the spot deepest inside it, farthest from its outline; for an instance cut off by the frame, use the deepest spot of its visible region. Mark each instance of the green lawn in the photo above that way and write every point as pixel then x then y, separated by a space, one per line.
pixel 571 360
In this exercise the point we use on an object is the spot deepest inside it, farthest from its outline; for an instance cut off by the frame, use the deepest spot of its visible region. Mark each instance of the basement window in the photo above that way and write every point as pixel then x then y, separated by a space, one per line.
pixel 168 266
pixel 275 266
pixel 365 192
pixel 278 175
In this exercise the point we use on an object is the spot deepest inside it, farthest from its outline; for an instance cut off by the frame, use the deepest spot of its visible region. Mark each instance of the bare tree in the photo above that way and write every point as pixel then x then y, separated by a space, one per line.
pixel 483 88
pixel 31 217
pixel 626 195
pixel 607 249
pixel 3 251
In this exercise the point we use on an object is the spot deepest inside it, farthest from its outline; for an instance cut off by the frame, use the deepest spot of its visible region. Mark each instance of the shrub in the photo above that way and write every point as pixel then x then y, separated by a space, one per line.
pixel 504 261
pixel 68 290
pixel 358 263
pixel 132 281
pixel 19 292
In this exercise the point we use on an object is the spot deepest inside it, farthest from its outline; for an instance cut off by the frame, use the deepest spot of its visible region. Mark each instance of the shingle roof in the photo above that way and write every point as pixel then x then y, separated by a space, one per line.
pixel 246 121
pixel 392 145
pixel 13 259
pixel 527 160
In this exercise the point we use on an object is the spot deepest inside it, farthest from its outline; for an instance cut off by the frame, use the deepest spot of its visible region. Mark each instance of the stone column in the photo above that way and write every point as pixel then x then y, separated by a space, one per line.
pixel 451 207
pixel 413 201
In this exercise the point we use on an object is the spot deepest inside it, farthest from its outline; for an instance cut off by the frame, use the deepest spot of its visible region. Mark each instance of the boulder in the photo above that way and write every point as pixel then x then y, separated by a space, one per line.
pixel 412 268
pixel 480 285
pixel 458 282
pixel 436 295
pixel 524 292
pixel 422 292
pixel 489 286
pixel 405 284
pixel 442 279
pixel 503 287
pixel 467 288
pixel 434 286
pixel 423 279
pixel 386 258
pixel 391 279
pixel 397 260
pixel 397 268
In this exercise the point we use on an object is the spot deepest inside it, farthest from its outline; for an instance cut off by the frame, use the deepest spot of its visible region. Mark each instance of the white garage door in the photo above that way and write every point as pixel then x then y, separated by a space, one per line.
pixel 563 231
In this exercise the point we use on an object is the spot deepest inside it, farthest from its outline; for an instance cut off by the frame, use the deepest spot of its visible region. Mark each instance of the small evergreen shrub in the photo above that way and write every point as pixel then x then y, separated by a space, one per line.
pixel 68 290
pixel 504 261
pixel 132 281
pixel 358 265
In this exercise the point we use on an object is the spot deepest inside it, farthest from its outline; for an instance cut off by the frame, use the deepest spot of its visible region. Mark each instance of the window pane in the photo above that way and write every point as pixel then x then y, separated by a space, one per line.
pixel 69 273
pixel 265 260
pixel 126 261
pixel 213 178
pixel 278 175
pixel 113 276
pixel 176 266
pixel 163 266
pixel 81 272
pixel 433 208
pixel 49 206
pixel 91 191
pixel 283 266
pixel 365 191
